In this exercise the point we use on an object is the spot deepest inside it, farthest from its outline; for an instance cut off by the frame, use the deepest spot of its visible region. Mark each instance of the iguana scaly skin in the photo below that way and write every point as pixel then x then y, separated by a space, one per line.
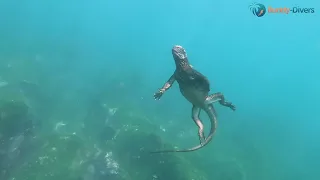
pixel 195 88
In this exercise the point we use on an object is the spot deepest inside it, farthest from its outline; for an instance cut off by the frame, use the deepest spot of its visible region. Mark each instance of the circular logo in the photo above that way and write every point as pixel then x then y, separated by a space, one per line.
pixel 257 9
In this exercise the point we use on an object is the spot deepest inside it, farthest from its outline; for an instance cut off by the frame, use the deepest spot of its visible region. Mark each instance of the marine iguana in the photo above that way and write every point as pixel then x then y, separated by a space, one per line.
pixel 195 88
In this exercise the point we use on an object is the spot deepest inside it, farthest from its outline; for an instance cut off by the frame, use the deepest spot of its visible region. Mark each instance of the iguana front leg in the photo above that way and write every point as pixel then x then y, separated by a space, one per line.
pixel 219 97
pixel 196 118
pixel 164 88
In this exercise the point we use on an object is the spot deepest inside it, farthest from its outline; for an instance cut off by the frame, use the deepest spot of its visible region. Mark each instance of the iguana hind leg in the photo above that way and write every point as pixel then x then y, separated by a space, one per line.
pixel 212 98
pixel 197 120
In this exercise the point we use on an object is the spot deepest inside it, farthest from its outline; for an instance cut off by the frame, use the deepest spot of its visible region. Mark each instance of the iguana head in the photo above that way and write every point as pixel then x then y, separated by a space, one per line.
pixel 180 56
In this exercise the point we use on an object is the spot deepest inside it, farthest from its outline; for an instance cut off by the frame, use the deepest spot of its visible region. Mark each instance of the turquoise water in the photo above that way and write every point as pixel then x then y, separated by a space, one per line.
pixel 83 54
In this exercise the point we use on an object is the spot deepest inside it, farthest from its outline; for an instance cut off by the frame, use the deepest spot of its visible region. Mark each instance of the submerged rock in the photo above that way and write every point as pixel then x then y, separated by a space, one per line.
pixel 117 154
pixel 102 168
pixel 107 133
pixel 15 152
pixel 52 160
pixel 132 148
pixel 14 118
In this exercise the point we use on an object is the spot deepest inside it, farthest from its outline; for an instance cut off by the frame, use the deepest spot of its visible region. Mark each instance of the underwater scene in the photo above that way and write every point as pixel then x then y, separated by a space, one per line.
pixel 159 90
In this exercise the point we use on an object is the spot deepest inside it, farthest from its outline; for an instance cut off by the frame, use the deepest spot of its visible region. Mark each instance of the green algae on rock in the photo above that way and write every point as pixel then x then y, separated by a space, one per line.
pixel 132 146
pixel 52 160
